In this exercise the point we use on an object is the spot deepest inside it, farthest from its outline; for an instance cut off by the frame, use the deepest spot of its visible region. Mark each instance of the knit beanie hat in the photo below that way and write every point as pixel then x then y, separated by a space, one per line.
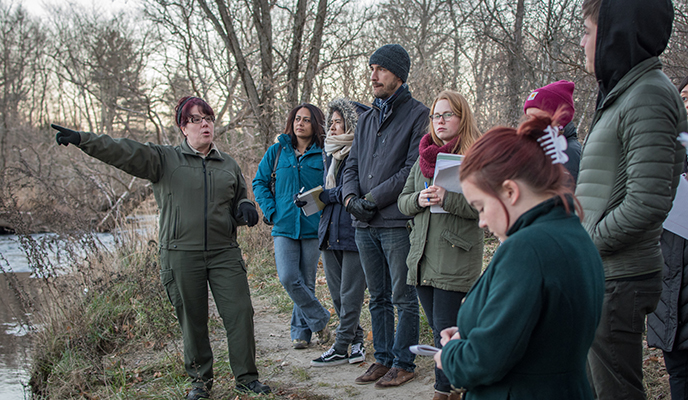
pixel 549 98
pixel 394 58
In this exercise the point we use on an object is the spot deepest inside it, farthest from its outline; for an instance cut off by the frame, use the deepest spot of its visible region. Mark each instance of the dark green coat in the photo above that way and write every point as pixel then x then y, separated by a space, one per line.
pixel 197 197
pixel 452 243
pixel 528 322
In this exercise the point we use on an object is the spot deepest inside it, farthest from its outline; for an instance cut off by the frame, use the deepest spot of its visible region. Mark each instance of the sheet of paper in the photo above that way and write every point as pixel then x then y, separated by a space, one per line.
pixel 447 176
pixel 677 220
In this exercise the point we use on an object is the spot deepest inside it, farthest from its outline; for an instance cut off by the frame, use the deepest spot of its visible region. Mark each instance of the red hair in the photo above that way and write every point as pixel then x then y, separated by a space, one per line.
pixel 507 153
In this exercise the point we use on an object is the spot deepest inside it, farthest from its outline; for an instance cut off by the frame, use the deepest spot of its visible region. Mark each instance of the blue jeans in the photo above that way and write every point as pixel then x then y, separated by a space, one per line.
pixel 383 254
pixel 441 307
pixel 346 281
pixel 297 263
pixel 615 359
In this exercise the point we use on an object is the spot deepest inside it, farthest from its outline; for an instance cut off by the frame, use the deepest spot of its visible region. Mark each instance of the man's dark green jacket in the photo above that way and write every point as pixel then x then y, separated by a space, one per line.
pixel 197 197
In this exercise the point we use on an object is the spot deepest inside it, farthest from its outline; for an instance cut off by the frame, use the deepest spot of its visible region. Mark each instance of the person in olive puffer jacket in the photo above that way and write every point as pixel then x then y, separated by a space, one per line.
pixel 201 195
pixel 629 170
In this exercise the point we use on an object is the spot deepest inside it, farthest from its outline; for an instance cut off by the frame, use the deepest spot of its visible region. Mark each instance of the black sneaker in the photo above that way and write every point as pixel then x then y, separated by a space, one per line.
pixel 357 353
pixel 255 387
pixel 330 357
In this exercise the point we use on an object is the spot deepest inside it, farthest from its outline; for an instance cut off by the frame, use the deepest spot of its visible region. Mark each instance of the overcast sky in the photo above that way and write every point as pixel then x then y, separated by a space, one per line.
pixel 41 7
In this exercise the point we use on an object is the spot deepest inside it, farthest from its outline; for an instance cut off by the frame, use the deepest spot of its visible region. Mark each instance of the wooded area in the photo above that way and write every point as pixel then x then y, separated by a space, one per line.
pixel 253 60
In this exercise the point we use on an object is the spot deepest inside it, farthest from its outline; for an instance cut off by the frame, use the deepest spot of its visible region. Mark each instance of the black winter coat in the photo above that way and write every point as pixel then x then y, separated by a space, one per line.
pixel 667 326
pixel 382 155
pixel 335 231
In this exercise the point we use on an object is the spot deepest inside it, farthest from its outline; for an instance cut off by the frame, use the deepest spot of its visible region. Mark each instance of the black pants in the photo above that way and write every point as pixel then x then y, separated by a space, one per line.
pixel 441 308
pixel 677 365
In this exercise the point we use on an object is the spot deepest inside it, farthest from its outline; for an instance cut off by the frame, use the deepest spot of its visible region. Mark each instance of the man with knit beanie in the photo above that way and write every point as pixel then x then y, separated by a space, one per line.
pixel 548 99
pixel 385 148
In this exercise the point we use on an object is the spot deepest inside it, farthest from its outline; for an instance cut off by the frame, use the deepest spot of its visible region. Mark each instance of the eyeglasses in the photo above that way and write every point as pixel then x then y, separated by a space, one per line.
pixel 197 120
pixel 446 116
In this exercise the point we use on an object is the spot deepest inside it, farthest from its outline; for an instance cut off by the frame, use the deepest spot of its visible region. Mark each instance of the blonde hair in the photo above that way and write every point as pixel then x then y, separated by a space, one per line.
pixel 468 127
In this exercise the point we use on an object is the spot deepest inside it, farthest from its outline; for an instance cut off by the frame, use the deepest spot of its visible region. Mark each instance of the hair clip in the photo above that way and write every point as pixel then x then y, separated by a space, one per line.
pixel 554 145
pixel 683 138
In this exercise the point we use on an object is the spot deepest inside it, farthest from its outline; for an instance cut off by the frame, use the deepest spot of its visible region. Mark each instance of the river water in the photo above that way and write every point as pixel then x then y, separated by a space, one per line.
pixel 15 340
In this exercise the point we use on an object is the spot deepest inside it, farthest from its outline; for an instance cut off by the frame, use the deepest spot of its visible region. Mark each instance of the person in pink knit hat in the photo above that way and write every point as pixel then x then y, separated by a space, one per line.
pixel 548 99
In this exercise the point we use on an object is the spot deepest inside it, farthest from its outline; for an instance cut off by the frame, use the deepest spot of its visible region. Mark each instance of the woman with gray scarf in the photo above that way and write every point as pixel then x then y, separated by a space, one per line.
pixel 345 277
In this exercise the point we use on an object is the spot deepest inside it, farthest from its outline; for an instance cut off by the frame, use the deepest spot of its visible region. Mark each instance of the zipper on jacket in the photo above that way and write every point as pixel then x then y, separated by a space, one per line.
pixel 205 208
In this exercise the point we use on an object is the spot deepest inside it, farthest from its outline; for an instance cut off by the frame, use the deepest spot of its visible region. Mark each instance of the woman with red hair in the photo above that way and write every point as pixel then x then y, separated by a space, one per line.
pixel 526 325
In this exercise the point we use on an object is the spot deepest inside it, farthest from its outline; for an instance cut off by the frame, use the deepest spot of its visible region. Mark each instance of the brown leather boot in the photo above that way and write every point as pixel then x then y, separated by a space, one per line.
pixel 374 372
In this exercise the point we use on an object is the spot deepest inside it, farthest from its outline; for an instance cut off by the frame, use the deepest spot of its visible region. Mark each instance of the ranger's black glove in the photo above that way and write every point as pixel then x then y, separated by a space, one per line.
pixel 65 136
pixel 361 208
pixel 299 203
pixel 267 221
pixel 248 213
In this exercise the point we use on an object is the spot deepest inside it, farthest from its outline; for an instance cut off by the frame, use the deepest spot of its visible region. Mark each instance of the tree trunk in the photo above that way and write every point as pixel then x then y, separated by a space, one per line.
pixel 295 53
pixel 314 52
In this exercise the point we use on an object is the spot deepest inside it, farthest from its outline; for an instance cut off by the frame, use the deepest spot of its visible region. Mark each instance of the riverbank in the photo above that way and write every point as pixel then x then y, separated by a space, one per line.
pixel 110 333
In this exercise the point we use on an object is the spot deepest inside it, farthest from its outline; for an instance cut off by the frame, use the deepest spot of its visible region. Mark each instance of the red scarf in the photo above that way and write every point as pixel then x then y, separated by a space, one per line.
pixel 428 150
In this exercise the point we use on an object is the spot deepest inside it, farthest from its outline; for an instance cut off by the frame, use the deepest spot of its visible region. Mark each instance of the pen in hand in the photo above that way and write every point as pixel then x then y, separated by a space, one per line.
pixel 426 186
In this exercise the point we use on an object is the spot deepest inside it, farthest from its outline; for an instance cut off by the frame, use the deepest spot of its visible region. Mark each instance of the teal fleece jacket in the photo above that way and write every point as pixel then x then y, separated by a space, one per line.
pixel 527 323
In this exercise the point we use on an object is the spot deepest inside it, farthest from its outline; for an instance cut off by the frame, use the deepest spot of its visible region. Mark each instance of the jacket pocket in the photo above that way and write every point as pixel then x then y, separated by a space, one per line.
pixel 230 220
pixel 456 241
pixel 409 225
pixel 175 223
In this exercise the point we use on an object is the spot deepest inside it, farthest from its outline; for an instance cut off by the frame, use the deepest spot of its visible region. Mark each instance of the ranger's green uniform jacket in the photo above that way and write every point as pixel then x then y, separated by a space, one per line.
pixel 197 197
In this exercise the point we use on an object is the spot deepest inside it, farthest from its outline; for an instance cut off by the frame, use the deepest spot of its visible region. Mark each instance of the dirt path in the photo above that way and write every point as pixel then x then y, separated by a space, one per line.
pixel 287 369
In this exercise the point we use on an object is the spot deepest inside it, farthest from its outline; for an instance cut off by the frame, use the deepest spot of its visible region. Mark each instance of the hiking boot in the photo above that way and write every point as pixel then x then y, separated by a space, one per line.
pixel 393 378
pixel 323 335
pixel 197 393
pixel 254 386
pixel 330 357
pixel 374 372
pixel 299 344
pixel 357 353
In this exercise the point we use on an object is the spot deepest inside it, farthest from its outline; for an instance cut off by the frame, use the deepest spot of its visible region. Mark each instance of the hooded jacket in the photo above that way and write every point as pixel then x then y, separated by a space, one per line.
pixel 335 231
pixel 631 160
pixel 382 156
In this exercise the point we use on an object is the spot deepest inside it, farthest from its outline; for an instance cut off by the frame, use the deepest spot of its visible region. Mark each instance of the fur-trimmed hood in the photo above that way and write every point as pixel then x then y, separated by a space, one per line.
pixel 348 111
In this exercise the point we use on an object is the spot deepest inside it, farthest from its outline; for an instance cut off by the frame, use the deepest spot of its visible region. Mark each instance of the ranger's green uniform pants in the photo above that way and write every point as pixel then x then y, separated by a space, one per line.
pixel 185 276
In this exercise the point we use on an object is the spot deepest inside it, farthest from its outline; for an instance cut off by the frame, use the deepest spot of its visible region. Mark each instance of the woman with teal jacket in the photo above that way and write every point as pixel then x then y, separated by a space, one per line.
pixel 298 168
pixel 524 329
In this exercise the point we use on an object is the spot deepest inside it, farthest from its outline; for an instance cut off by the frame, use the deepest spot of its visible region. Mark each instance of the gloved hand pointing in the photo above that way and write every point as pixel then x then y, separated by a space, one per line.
pixel 247 211
pixel 65 136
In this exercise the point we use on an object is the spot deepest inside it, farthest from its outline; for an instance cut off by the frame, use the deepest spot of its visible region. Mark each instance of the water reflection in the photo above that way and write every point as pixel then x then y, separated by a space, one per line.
pixel 15 342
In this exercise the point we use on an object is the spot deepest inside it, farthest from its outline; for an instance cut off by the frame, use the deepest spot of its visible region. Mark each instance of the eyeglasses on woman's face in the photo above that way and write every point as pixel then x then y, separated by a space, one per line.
pixel 445 116
pixel 196 119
